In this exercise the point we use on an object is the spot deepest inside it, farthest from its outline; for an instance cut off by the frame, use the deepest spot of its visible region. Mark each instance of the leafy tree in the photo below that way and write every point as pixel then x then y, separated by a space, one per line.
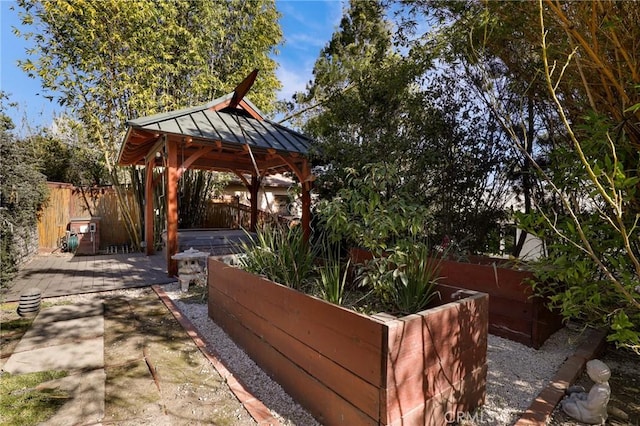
pixel 370 102
pixel 63 148
pixel 579 58
pixel 464 164
pixel 602 34
pixel 54 157
pixel 601 38
pixel 22 194
pixel 114 60
pixel 597 256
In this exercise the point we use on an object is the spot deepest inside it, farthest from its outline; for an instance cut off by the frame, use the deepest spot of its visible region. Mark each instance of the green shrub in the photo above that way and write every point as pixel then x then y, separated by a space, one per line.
pixel 405 278
pixel 281 255
pixel 373 210
pixel 592 269
pixel 23 191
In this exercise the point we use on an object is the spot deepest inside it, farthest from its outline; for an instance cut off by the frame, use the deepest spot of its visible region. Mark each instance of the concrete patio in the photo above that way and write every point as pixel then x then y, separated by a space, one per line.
pixel 64 274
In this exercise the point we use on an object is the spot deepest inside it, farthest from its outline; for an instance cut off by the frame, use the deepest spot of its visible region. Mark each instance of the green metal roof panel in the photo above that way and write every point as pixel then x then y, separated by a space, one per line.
pixel 207 130
pixel 204 123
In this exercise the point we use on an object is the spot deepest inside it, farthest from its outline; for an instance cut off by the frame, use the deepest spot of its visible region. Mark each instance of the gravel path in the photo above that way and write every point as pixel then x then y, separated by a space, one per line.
pixel 516 373
pixel 282 406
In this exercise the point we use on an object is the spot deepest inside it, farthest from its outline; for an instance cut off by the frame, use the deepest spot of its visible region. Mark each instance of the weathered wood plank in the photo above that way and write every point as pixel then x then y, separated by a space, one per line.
pixel 438 346
pixel 499 282
pixel 345 383
pixel 327 327
pixel 322 402
pixel 442 408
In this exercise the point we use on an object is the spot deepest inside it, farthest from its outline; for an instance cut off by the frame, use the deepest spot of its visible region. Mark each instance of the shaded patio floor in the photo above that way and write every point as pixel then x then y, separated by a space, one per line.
pixel 65 274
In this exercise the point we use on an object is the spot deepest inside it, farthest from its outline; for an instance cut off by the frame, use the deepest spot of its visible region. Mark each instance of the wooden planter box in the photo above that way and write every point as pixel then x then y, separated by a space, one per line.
pixel 514 313
pixel 351 369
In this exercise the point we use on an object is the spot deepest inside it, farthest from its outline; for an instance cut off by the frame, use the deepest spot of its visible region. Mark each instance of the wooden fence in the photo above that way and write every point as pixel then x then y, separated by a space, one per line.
pixel 67 202
pixel 230 214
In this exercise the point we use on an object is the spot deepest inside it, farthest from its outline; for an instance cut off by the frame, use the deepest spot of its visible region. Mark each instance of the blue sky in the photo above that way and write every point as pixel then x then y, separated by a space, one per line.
pixel 307 26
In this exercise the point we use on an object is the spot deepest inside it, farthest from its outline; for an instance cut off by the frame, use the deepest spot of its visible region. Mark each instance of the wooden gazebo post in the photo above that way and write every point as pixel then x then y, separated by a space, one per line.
pixel 148 205
pixel 254 188
pixel 307 185
pixel 172 206
pixel 149 186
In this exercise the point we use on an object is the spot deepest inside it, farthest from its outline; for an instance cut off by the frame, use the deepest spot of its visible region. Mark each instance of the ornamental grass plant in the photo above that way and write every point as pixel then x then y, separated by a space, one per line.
pixel 405 278
pixel 280 254
pixel 333 275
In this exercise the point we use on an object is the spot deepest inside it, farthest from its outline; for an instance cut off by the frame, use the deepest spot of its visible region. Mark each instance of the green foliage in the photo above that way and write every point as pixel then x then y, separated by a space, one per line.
pixel 281 255
pixel 8 261
pixel 22 193
pixel 6 123
pixel 54 158
pixel 143 57
pixel 586 201
pixel 196 188
pixel 405 277
pixel 23 404
pixel 371 102
pixel 333 275
pixel 62 155
pixel 373 210
pixel 591 272
pixel 114 60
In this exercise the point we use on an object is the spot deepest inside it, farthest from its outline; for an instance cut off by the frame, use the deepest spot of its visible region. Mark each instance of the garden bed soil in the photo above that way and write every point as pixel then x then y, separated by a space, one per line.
pixel 348 368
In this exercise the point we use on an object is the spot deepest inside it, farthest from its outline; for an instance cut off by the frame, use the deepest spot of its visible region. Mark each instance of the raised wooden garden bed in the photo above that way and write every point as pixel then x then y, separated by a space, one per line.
pixel 514 312
pixel 351 369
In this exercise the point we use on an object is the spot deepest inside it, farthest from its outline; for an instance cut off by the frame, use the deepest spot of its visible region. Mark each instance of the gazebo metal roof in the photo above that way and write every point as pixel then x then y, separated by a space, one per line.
pixel 227 130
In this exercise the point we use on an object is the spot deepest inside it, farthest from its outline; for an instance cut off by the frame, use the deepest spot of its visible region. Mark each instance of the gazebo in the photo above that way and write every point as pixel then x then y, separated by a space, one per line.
pixel 227 134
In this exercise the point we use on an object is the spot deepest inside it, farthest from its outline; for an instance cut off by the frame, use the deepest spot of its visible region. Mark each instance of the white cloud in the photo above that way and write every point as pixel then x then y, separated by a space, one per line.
pixel 308 27
pixel 294 79
pixel 305 41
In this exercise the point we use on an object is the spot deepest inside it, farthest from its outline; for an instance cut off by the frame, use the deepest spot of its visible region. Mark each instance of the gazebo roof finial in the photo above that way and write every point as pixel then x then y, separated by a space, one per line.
pixel 241 89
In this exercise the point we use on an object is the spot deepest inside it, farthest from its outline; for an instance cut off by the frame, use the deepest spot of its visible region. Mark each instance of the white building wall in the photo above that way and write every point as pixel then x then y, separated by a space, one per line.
pixel 533 247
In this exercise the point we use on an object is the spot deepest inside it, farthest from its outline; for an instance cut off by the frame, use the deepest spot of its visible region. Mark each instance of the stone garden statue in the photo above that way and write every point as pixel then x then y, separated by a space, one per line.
pixel 590 407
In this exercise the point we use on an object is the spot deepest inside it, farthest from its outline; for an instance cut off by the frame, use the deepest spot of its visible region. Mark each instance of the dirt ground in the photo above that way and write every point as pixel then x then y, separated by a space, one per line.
pixel 155 374
pixel 624 405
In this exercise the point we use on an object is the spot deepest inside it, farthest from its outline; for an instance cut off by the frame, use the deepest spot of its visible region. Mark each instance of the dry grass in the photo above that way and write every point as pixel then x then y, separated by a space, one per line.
pixel 23 402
